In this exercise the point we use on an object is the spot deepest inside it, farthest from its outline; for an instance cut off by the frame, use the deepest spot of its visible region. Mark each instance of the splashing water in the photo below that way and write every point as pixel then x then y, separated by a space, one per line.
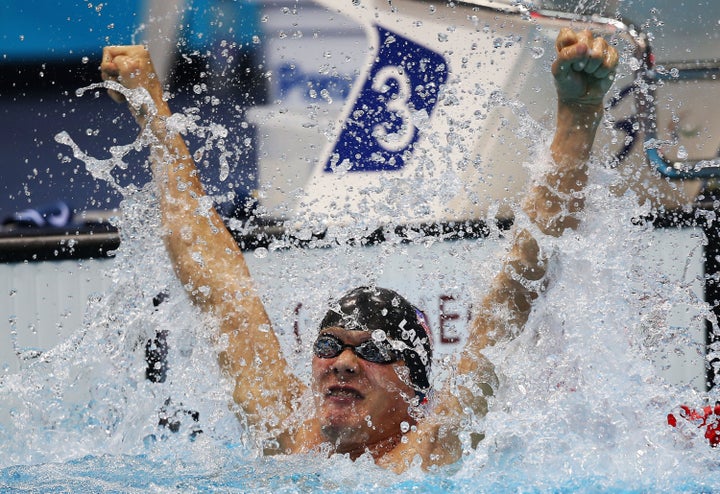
pixel 580 407
pixel 101 169
pixel 578 381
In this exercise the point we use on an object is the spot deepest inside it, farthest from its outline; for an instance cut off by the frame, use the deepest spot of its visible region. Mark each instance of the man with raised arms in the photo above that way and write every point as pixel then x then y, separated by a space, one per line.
pixel 370 369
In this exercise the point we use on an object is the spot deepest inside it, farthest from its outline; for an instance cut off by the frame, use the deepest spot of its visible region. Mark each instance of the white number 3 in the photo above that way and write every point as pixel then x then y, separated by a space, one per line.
pixel 398 104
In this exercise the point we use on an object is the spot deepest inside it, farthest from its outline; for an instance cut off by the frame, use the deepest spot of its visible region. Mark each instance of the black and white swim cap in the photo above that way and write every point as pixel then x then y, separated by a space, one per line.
pixel 404 325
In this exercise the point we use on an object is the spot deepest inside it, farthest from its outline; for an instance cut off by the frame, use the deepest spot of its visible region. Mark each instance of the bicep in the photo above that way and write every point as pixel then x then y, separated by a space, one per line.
pixel 265 386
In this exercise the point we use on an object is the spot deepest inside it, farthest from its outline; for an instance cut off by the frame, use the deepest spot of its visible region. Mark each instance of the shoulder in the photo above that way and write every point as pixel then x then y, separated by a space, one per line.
pixel 433 442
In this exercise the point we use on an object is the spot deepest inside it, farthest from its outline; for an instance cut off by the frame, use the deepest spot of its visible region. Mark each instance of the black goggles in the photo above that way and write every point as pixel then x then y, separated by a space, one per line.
pixel 377 352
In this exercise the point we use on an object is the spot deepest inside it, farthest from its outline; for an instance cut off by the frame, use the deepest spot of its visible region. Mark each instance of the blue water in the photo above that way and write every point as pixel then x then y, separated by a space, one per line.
pixel 234 474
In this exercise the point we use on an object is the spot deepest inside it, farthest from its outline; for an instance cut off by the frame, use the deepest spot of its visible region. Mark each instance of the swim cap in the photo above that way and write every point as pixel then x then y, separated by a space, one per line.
pixel 373 308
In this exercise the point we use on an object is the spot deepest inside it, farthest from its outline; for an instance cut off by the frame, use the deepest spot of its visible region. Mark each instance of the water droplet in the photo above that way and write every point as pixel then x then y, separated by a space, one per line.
pixel 537 52
pixel 260 252
pixel 325 94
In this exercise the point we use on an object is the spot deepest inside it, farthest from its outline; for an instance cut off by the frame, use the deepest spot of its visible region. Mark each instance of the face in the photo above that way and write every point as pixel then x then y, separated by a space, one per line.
pixel 359 404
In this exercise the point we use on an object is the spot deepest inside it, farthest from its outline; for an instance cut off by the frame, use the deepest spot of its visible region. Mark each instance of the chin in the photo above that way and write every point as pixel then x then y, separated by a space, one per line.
pixel 339 429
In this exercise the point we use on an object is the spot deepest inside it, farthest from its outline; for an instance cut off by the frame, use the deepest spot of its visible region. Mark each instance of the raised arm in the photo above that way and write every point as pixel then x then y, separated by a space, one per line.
pixel 583 73
pixel 205 256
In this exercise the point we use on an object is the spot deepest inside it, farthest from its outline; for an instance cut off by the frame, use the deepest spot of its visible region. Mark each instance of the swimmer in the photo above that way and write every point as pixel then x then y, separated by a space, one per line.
pixel 372 355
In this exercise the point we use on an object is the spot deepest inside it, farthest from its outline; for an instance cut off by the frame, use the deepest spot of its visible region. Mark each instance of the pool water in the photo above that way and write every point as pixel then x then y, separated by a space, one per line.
pixel 235 473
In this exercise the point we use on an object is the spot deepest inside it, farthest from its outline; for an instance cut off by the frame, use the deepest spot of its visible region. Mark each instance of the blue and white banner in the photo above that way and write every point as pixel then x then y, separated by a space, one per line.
pixel 428 133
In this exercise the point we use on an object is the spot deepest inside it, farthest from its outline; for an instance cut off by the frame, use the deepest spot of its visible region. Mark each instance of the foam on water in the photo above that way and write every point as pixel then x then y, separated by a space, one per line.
pixel 580 407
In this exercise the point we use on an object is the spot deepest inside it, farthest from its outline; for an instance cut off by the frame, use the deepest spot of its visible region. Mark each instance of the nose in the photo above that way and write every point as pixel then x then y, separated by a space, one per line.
pixel 345 363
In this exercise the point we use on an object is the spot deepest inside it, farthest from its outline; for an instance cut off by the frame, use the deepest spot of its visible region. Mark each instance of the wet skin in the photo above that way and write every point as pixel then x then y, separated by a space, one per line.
pixel 359 404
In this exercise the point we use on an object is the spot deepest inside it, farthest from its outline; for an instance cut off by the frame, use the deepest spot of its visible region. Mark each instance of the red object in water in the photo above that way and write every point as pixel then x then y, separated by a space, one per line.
pixel 707 417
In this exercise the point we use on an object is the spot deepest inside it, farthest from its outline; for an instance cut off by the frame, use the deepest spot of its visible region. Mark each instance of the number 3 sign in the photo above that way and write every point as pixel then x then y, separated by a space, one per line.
pixel 379 132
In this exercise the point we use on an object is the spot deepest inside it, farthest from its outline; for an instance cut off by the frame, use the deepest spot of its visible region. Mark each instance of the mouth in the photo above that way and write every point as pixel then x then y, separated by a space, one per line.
pixel 343 393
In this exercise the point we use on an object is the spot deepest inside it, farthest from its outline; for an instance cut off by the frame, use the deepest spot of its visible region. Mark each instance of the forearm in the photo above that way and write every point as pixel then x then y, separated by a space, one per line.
pixel 205 255
pixel 554 202
pixel 553 205
pixel 203 252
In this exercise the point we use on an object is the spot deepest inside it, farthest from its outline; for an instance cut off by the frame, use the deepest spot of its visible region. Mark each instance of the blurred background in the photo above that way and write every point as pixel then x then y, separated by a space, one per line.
pixel 215 56
pixel 50 49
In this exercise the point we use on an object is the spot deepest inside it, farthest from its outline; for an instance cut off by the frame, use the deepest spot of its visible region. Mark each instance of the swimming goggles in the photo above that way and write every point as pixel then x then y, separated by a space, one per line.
pixel 329 346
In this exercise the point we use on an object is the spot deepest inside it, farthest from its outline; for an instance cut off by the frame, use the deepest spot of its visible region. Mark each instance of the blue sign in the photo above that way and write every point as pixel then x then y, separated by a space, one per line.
pixel 379 133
